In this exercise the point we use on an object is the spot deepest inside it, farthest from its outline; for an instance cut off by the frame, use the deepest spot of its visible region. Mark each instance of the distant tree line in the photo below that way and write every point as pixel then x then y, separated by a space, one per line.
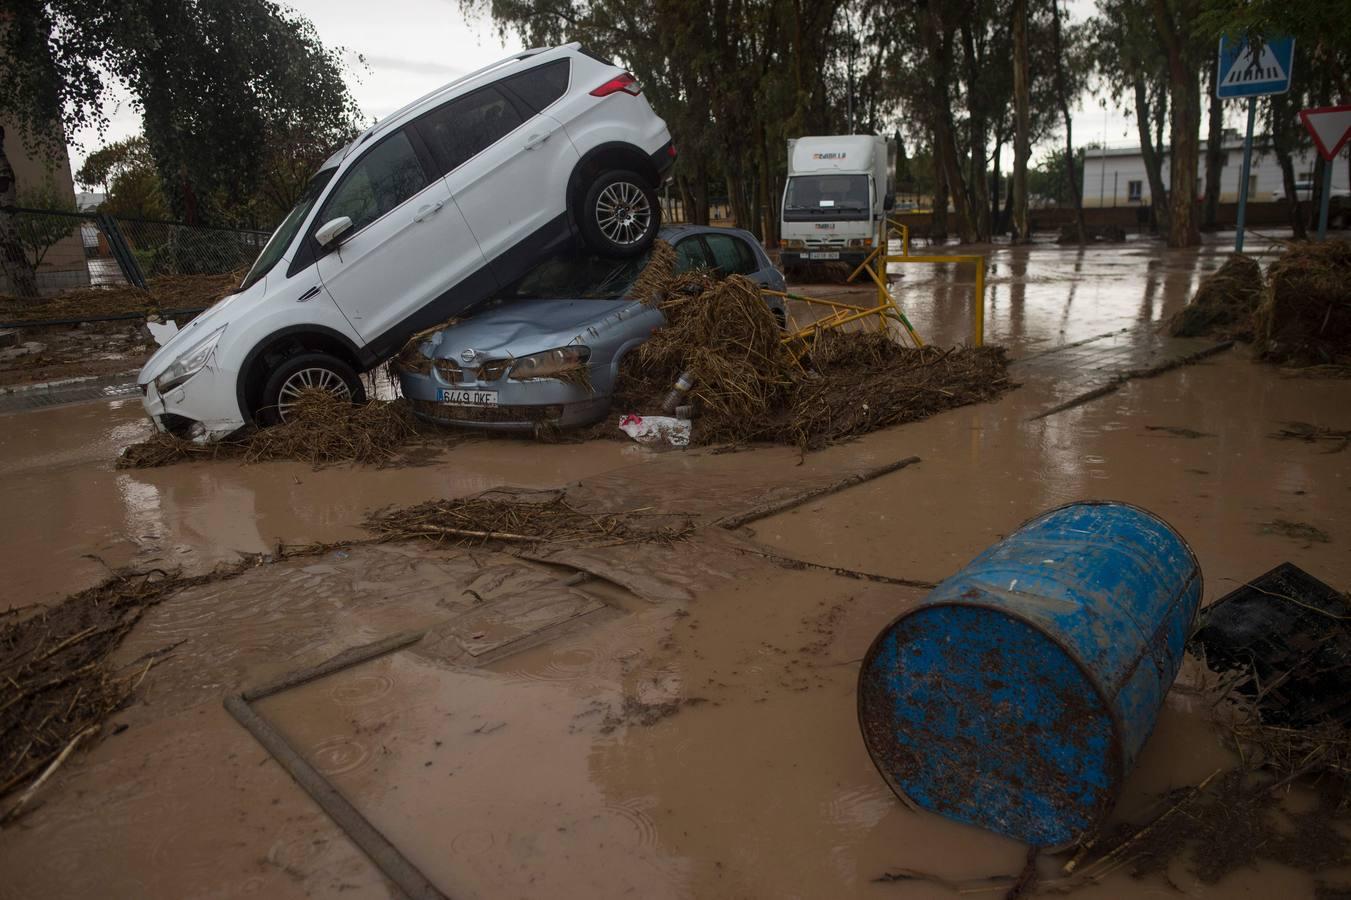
pixel 241 101
pixel 965 84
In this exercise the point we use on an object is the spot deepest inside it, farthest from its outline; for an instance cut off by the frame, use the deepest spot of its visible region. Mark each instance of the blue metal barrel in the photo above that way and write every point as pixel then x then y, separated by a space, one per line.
pixel 1017 695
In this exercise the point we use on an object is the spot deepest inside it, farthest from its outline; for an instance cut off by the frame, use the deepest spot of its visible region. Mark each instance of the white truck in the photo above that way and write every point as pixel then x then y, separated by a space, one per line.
pixel 838 190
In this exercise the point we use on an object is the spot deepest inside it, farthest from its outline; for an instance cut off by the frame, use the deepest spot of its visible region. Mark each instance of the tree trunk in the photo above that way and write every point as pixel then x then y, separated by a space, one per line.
pixel 1316 194
pixel 1076 186
pixel 1287 164
pixel 699 215
pixel 1184 93
pixel 771 204
pixel 1007 217
pixel 736 198
pixel 940 110
pixel 978 181
pixel 1158 194
pixel 1022 106
pixel 938 217
pixel 14 264
pixel 996 226
pixel 1215 158
pixel 686 199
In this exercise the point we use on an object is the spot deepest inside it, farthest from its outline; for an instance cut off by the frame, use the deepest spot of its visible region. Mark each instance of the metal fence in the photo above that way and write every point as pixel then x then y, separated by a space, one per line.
pixel 78 249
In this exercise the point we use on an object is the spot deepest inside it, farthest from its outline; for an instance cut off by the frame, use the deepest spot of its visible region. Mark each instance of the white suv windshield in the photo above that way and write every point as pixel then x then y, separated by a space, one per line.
pixel 281 238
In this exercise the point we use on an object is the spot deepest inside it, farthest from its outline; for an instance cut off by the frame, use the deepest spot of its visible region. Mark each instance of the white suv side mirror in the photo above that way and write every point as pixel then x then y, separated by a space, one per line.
pixel 332 230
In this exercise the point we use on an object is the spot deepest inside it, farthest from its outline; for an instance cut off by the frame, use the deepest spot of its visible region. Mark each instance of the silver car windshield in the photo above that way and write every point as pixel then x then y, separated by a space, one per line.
pixel 588 277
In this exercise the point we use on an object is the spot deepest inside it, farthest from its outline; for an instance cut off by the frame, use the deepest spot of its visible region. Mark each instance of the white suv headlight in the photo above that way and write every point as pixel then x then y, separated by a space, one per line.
pixel 550 363
pixel 189 362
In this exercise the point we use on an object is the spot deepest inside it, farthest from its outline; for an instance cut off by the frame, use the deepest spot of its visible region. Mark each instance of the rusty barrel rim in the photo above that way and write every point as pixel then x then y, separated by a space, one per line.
pixel 1113 716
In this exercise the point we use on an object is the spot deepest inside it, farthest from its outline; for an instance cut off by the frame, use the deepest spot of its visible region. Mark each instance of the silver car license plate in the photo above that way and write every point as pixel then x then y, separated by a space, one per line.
pixel 824 254
pixel 458 397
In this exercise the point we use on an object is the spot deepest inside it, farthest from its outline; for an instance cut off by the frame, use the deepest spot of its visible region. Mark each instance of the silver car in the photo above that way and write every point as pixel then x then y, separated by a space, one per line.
pixel 547 350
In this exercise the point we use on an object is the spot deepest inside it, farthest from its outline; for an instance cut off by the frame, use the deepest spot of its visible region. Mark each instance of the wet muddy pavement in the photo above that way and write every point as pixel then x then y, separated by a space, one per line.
pixel 682 723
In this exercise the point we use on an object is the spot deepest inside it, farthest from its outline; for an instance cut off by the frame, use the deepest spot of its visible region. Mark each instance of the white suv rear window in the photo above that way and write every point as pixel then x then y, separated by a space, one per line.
pixel 542 85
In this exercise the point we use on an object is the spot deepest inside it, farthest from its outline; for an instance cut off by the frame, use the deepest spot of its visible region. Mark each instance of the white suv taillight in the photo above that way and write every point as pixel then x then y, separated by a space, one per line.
pixel 625 82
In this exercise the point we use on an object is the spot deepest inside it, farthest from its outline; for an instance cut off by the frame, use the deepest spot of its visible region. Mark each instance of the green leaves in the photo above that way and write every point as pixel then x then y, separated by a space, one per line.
pixel 227 88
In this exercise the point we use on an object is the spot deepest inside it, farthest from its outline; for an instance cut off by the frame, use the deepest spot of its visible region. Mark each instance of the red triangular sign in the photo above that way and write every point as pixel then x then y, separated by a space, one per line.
pixel 1330 127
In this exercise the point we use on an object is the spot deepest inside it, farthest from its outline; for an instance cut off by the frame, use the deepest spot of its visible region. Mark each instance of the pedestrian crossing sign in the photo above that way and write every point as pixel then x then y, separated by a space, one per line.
pixel 1254 67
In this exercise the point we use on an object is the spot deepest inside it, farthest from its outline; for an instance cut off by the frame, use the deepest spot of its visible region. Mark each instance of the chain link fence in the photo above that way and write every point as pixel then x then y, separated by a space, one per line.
pixel 70 250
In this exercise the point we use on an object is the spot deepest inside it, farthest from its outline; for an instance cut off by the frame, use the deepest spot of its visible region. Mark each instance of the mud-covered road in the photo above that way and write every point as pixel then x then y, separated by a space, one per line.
pixel 682 723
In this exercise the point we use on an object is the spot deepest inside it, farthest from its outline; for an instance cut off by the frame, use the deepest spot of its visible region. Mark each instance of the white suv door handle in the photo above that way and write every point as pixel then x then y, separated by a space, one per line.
pixel 429 210
pixel 536 139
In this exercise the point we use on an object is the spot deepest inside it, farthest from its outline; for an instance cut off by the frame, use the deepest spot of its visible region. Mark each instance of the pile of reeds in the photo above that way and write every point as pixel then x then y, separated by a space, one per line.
pixel 1305 316
pixel 165 292
pixel 59 686
pixel 323 430
pixel 1224 303
pixel 865 381
pixel 750 387
pixel 654 281
pixel 723 334
pixel 547 518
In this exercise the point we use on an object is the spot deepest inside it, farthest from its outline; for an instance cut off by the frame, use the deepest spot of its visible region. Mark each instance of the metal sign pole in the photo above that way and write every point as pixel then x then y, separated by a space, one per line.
pixel 1252 69
pixel 1323 203
pixel 1243 180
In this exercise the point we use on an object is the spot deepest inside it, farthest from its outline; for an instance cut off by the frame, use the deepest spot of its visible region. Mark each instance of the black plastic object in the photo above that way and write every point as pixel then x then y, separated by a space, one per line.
pixel 1294 633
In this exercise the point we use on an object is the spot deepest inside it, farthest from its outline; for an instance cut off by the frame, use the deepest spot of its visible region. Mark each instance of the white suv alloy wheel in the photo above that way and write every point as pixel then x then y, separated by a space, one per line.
pixel 622 213
pixel 309 379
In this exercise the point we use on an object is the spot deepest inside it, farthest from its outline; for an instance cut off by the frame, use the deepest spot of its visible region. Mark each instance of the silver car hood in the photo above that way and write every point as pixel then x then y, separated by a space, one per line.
pixel 517 328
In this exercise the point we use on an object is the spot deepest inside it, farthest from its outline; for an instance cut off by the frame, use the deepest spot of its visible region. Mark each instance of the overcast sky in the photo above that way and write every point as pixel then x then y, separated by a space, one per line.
pixel 413 46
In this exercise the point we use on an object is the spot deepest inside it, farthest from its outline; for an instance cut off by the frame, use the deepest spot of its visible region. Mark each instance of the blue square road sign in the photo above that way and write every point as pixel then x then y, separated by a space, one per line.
pixel 1250 70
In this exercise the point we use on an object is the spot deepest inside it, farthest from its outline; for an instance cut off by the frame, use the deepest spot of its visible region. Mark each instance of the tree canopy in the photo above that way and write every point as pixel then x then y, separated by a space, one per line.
pixel 232 92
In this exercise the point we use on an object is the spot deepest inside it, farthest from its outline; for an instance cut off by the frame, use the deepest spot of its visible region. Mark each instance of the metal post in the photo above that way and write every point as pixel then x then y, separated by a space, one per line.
pixel 1243 179
pixel 978 311
pixel 1323 202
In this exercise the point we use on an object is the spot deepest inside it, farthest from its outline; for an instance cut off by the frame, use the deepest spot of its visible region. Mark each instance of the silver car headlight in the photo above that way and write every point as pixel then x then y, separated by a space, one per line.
pixel 550 363
pixel 189 362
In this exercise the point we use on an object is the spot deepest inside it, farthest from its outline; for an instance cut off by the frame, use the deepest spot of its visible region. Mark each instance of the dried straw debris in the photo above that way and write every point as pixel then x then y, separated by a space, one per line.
pixel 1305 315
pixel 165 292
pixel 654 281
pixel 1224 302
pixel 324 430
pixel 548 519
pixel 750 387
pixel 60 684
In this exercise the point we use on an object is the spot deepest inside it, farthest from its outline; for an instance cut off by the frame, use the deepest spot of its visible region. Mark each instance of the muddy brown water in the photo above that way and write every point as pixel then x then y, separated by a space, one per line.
pixel 699 742
pixel 65 502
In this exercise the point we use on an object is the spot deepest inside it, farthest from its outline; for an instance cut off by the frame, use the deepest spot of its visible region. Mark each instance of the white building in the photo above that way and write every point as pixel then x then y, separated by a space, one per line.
pixel 1116 176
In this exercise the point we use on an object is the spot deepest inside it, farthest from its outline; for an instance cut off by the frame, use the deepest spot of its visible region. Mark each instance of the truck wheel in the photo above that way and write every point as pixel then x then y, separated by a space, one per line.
pixel 620 215
pixel 306 371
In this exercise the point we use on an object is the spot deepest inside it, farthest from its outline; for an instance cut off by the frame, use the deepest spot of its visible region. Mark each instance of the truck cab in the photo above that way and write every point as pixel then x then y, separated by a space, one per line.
pixel 837 193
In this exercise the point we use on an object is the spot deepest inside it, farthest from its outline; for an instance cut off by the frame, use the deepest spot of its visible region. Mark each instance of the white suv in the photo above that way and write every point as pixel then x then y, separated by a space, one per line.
pixel 419 218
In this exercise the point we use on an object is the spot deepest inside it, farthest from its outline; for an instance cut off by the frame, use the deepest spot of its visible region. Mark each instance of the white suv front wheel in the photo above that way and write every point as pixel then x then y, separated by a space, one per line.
pixel 304 372
pixel 620 215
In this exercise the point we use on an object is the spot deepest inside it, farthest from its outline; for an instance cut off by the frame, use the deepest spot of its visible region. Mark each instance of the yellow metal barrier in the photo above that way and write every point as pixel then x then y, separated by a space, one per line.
pixel 890 226
pixel 886 307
